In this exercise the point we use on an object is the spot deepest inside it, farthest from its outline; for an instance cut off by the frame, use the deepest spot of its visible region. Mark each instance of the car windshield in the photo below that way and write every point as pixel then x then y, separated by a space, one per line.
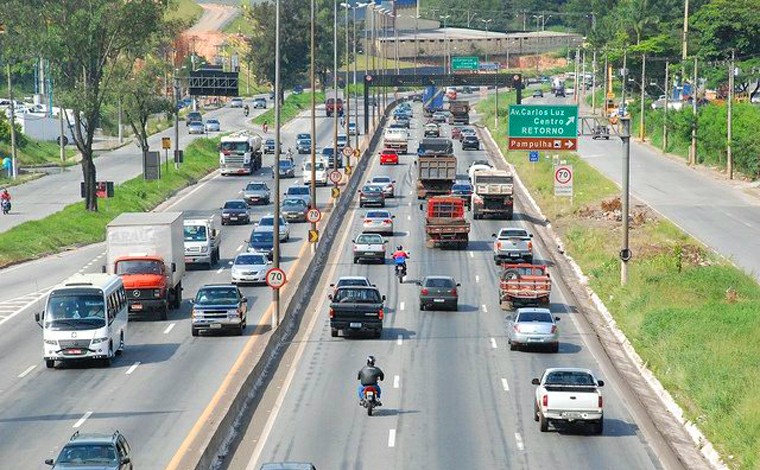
pixel 534 316
pixel 212 121
pixel 372 189
pixel 195 233
pixel 352 282
pixel 368 239
pixel 269 221
pixel 87 454
pixel 293 204
pixel 304 136
pixel 361 296
pixel 250 259
pixel 75 309
pixel 389 152
pixel 378 215
pixel 269 142
pixel 262 237
pixel 565 377
pixel 381 179
pixel 439 282
pixel 461 187
pixel 319 166
pixel 138 267
pixel 234 146
pixel 513 234
pixel 256 187
pixel 327 151
pixel 235 205
pixel 285 164
pixel 299 190
pixel 217 296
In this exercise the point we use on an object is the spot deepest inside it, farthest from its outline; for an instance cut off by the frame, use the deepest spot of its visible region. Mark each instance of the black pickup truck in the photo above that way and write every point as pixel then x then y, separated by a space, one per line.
pixel 356 310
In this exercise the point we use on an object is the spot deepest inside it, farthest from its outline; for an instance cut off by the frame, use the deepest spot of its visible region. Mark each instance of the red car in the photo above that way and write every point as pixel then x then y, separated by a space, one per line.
pixel 389 157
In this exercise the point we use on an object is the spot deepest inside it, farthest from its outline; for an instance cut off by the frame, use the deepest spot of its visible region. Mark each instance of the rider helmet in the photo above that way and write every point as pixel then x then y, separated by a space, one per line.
pixel 370 360
pixel 399 248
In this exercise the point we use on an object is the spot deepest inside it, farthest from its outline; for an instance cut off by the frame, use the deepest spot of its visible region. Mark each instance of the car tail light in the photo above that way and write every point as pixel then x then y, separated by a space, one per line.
pixel 388 221
pixel 381 314
pixel 545 400
pixel 530 246
pixel 367 221
pixel 332 313
pixel 424 291
pixel 600 401
pixel 454 291
pixel 498 245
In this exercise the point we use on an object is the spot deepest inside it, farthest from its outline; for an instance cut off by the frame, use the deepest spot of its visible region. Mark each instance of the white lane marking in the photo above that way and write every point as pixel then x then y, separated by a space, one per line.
pixel 408 217
pixel 132 368
pixel 401 306
pixel 477 278
pixel 400 340
pixel 219 271
pixel 484 308
pixel 493 343
pixel 396 380
pixel 82 419
pixel 24 307
pixel 169 328
pixel 229 263
pixel 26 372
pixel 504 384
pixel 410 204
pixel 392 438
pixel 472 255
pixel 519 441
pixel 407 233
pixel 240 247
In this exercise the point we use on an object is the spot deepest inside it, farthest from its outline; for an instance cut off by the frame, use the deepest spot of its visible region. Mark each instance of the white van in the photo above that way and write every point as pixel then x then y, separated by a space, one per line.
pixel 84 318
pixel 320 172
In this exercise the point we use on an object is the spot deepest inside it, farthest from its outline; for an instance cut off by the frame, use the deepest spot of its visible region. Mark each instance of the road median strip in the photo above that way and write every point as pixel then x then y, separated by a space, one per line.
pixel 686 314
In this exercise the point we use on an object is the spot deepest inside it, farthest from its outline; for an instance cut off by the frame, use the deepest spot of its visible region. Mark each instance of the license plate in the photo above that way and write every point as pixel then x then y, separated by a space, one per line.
pixel 137 307
pixel 188 259
pixel 571 415
pixel 233 218
pixel 216 326
pixel 534 340
pixel 439 300
pixel 355 325
pixel 513 255
pixel 74 351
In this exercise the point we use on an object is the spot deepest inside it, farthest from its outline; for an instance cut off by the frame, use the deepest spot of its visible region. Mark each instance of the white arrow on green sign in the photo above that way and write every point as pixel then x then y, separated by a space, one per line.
pixel 465 63
pixel 543 121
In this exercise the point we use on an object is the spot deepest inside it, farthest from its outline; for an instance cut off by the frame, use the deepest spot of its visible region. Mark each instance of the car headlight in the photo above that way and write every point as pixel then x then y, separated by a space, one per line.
pixel 233 314
pixel 51 342
pixel 99 340
pixel 195 313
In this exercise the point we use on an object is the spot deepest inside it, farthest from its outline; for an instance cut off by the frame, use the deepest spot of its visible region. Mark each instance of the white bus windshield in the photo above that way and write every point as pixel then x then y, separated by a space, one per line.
pixel 75 309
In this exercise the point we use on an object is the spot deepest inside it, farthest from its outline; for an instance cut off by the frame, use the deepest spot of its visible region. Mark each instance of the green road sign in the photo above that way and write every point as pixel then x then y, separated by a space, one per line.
pixel 465 63
pixel 543 122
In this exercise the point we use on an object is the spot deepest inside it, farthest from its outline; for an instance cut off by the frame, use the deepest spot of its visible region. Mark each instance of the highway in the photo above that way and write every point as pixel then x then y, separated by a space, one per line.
pixel 454 395
pixel 157 389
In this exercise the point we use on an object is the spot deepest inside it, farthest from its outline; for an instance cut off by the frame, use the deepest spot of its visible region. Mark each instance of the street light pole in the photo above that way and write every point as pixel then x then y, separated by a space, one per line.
pixel 356 91
pixel 313 140
pixel 275 167
pixel 486 23
pixel 729 124
pixel 642 130
pixel 335 86
pixel 446 52
pixel 665 111
pixel 347 94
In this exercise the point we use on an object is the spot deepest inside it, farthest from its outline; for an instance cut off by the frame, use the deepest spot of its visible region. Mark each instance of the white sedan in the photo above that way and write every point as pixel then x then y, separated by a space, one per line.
pixel 250 268
pixel 378 221
pixel 388 184
pixel 266 223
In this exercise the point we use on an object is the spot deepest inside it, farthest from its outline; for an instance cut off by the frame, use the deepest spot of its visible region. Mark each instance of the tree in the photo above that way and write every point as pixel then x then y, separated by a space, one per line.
pixel 723 25
pixel 84 39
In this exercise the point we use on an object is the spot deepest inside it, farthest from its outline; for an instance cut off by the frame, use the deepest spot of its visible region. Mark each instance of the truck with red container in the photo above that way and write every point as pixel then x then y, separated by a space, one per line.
pixel 524 285
pixel 445 224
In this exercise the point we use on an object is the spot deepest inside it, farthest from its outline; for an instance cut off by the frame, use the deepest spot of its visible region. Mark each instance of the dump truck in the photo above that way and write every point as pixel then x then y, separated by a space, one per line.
pixel 493 192
pixel 334 102
pixel 240 153
pixel 460 113
pixel 436 167
pixel 397 139
pixel 524 285
pixel 146 249
pixel 445 225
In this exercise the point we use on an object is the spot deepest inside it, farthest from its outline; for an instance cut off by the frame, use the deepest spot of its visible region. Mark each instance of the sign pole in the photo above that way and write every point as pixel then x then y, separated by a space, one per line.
pixel 625 252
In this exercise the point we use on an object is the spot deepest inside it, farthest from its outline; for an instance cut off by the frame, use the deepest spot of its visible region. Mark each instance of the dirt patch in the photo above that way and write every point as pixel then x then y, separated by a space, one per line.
pixel 612 210
pixel 205 38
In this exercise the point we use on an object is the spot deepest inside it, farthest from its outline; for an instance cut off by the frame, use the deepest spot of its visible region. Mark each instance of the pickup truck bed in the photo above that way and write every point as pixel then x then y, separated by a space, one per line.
pixel 524 285
pixel 356 310
pixel 568 396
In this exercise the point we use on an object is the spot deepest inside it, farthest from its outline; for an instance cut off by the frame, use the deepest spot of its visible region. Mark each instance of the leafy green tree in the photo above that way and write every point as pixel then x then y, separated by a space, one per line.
pixel 723 25
pixel 84 39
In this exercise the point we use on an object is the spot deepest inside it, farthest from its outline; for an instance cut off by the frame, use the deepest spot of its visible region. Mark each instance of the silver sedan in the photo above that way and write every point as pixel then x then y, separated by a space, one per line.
pixel 250 268
pixel 533 327
pixel 378 221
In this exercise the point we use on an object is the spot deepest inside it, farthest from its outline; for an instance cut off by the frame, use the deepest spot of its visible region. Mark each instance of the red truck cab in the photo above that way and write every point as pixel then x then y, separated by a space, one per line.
pixel 145 282
pixel 331 105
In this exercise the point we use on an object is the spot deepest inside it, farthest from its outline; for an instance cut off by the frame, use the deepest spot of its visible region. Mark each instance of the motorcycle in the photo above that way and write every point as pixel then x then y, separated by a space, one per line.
pixel 400 272
pixel 370 400
pixel 246 111
pixel 6 206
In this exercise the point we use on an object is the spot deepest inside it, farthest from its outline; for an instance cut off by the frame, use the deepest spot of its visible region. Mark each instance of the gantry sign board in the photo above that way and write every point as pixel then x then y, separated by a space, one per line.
pixel 539 127
pixel 471 64
pixel 213 82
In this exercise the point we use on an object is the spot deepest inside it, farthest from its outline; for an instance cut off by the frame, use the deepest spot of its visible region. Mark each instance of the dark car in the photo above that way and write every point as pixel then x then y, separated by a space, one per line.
pixel 404 122
pixel 235 212
pixel 303 143
pixel 538 94
pixel 294 209
pixel 470 142
pixel 194 116
pixel 297 89
pixel 94 452
pixel 219 307
pixel 464 191
pixel 466 90
pixel 371 195
pixel 439 291
pixel 356 310
pixel 261 241
pixel 286 168
pixel 328 154
pixel 269 146
pixel 417 97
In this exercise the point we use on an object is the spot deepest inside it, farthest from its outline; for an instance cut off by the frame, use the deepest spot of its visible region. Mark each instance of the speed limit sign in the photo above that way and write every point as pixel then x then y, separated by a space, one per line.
pixel 563 180
pixel 276 278
pixel 313 216
pixel 335 176
pixel 347 151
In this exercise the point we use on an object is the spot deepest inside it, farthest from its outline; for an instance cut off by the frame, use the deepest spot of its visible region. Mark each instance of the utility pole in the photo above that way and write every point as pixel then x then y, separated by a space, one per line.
pixel 583 76
pixel 593 84
pixel 313 145
pixel 693 148
pixel 625 252
pixel 625 82
pixel 729 155
pixel 61 137
pixel 14 170
pixel 356 90
pixel 684 40
pixel 335 86
pixel 121 127
pixel 642 131
pixel 275 168
pixel 577 67
pixel 347 97
pixel 176 122
pixel 665 115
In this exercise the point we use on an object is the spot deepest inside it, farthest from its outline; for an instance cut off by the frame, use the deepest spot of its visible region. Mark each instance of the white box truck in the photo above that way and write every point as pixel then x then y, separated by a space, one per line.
pixel 147 250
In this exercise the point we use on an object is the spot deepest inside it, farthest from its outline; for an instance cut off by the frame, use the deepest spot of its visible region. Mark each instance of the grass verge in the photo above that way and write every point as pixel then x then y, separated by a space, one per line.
pixel 293 106
pixel 74 226
pixel 186 11
pixel 690 315
pixel 37 152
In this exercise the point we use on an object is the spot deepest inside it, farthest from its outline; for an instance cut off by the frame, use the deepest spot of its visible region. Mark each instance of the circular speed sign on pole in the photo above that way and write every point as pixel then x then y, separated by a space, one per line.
pixel 313 216
pixel 563 175
pixel 276 278
pixel 335 177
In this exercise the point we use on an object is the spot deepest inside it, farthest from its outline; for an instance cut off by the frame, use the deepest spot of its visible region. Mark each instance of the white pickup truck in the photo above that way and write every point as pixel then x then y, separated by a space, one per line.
pixel 512 244
pixel 568 396
pixel 369 247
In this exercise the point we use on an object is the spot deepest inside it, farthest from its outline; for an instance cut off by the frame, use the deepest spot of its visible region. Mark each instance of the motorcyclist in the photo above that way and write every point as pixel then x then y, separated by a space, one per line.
pixel 399 257
pixel 5 200
pixel 246 110
pixel 265 127
pixel 369 376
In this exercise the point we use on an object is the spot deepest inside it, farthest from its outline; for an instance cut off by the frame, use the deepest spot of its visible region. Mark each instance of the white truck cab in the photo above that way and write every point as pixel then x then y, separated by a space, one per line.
pixel 202 240
pixel 85 318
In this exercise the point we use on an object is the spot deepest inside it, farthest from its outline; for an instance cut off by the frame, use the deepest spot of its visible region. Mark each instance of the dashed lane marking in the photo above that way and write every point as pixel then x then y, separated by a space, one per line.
pixel 484 308
pixel 477 278
pixel 26 372
pixel 392 438
pixel 132 368
pixel 504 385
pixel 396 380
pixel 472 255
pixel 219 271
pixel 400 340
pixel 493 343
pixel 401 306
pixel 169 328
pixel 82 419
pixel 519 441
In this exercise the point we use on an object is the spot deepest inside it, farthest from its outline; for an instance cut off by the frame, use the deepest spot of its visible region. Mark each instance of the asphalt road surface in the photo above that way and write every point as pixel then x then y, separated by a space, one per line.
pixel 157 389
pixel 454 395
pixel 715 212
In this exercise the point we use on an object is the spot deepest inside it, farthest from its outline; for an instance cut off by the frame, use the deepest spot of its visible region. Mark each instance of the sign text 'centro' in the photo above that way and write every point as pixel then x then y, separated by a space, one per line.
pixel 543 121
